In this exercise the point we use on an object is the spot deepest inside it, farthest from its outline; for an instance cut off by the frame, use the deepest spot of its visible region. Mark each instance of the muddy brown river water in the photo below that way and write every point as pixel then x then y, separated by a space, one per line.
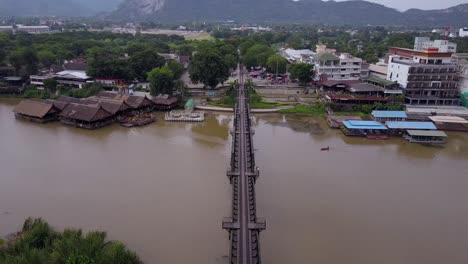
pixel 162 190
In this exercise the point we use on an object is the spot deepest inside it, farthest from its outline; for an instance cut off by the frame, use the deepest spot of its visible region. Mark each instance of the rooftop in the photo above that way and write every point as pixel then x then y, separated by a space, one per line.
pixel 448 119
pixel 389 114
pixel 410 125
pixel 326 57
pixel 34 108
pixel 425 133
pixel 380 81
pixel 365 87
pixel 359 124
pixel 87 113
pixel 73 75
pixel 443 111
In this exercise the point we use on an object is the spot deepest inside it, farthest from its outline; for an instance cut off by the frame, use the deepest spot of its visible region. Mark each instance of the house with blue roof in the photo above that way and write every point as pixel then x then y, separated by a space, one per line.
pixel 399 127
pixel 384 116
pixel 364 128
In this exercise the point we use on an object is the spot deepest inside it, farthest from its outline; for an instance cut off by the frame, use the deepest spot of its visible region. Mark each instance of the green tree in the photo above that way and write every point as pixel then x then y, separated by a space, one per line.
pixel 50 85
pixel 106 64
pixel 144 61
pixel 257 55
pixel 24 61
pixel 301 71
pixel 46 58
pixel 276 64
pixel 184 50
pixel 208 67
pixel 176 68
pixel 162 81
pixel 38 243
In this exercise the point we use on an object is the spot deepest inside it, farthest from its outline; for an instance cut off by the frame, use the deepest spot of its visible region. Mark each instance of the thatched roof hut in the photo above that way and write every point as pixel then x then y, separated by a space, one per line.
pixel 141 103
pixel 115 107
pixel 36 111
pixel 86 116
pixel 165 102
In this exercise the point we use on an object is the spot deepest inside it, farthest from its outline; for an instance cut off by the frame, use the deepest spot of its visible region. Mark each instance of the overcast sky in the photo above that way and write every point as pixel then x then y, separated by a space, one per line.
pixel 421 4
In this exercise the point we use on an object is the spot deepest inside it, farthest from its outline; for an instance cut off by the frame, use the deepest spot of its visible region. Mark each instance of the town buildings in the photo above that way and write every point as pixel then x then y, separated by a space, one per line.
pixel 343 67
pixel 378 70
pixel 463 32
pixel 423 43
pixel 429 77
pixel 461 59
pixel 295 56
pixel 33 29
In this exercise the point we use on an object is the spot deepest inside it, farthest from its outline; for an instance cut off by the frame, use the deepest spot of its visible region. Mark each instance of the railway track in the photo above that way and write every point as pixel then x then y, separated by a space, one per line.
pixel 244 227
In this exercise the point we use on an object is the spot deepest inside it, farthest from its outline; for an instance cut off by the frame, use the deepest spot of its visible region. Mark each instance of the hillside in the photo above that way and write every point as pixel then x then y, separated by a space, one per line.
pixel 309 11
pixel 71 8
pixel 41 8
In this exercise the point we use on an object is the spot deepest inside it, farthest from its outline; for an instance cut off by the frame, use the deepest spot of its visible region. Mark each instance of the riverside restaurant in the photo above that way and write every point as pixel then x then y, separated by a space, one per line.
pixel 426 137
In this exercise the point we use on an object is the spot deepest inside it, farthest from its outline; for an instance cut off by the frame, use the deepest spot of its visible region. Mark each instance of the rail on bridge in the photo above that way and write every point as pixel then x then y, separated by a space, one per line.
pixel 244 226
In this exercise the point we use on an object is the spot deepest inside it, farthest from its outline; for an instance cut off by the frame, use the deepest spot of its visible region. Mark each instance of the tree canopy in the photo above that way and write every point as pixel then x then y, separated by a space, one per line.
pixel 276 64
pixel 208 67
pixel 38 243
pixel 142 62
pixel 257 55
pixel 301 71
pixel 176 68
pixel 162 81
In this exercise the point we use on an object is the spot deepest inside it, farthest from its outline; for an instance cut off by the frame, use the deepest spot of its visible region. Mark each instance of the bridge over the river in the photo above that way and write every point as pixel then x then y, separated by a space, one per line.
pixel 244 226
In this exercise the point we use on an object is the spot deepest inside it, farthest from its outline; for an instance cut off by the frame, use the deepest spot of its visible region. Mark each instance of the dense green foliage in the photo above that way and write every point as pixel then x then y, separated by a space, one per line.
pixel 367 109
pixel 257 55
pixel 315 109
pixel 143 61
pixel 162 80
pixel 301 71
pixel 209 65
pixel 86 91
pixel 276 64
pixel 38 243
pixel 105 52
pixel 176 68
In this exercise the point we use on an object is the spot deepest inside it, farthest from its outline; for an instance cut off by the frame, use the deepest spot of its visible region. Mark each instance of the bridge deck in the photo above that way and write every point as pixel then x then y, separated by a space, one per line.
pixel 243 226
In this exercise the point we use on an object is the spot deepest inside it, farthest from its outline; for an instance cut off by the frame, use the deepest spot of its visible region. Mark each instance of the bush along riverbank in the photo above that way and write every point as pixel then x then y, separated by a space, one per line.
pixel 31 92
pixel 317 109
pixel 255 100
pixel 37 242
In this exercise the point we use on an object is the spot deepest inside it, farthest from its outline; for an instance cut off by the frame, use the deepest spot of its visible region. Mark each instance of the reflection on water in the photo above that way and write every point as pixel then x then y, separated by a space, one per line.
pixel 162 189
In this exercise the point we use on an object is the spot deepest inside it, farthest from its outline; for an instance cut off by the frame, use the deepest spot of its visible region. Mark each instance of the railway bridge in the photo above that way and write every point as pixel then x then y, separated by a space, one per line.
pixel 244 226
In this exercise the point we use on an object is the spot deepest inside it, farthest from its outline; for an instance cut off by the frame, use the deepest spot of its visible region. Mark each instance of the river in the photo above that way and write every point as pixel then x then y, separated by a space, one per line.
pixel 162 190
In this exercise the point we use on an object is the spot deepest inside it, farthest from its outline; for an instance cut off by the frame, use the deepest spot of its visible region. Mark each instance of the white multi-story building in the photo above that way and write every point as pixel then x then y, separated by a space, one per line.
pixel 423 43
pixel 463 32
pixel 428 77
pixel 6 28
pixel 343 67
pixel 461 59
pixel 33 29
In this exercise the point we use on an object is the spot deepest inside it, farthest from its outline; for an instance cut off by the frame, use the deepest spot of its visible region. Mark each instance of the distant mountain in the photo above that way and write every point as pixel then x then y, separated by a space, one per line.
pixel 71 8
pixel 41 8
pixel 280 11
pixel 311 11
pixel 100 5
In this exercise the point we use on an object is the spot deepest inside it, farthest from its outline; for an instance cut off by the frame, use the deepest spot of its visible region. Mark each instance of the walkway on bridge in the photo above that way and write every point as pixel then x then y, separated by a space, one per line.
pixel 244 227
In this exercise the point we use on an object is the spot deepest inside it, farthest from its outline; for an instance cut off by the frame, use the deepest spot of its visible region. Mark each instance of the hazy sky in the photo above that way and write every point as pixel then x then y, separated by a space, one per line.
pixel 421 4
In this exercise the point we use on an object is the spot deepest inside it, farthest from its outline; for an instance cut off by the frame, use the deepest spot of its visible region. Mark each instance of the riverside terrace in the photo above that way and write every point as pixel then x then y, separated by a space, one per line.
pixel 93 112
